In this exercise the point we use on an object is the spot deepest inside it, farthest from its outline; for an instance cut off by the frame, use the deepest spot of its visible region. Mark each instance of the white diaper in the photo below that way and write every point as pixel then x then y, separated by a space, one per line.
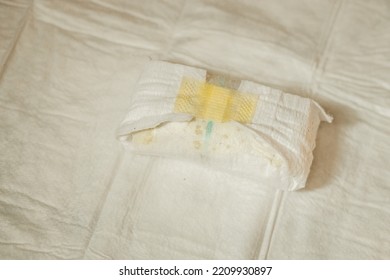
pixel 236 126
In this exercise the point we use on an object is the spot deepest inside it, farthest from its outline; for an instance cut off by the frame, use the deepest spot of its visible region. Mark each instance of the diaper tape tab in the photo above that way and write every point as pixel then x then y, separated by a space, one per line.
pixel 211 102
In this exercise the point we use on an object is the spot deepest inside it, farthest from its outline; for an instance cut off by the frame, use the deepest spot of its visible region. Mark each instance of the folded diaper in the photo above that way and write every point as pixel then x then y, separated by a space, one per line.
pixel 237 126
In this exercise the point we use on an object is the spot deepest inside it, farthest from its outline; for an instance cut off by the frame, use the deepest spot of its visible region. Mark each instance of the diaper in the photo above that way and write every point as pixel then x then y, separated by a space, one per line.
pixel 236 126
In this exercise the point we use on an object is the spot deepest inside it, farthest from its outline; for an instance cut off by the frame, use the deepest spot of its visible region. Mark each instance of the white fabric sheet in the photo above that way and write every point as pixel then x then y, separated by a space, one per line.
pixel 68 189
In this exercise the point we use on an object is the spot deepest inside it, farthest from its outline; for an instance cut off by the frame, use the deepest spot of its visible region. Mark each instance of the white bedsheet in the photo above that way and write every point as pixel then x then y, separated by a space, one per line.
pixel 69 190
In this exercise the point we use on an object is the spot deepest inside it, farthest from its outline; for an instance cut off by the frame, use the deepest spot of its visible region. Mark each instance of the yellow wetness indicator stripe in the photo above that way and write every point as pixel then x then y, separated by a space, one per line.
pixel 211 102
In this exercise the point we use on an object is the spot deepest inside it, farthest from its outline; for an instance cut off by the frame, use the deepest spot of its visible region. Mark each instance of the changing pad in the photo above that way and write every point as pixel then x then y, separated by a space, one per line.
pixel 71 71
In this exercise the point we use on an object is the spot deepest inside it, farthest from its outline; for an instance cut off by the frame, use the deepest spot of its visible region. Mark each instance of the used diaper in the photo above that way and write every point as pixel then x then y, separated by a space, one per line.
pixel 237 126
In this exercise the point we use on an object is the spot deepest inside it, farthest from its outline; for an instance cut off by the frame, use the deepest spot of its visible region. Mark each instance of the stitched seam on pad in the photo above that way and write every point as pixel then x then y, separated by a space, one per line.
pixel 271 226
pixel 100 207
pixel 321 57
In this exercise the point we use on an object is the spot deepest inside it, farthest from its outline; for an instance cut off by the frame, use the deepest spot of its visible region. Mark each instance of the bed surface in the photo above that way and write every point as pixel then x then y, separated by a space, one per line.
pixel 70 190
